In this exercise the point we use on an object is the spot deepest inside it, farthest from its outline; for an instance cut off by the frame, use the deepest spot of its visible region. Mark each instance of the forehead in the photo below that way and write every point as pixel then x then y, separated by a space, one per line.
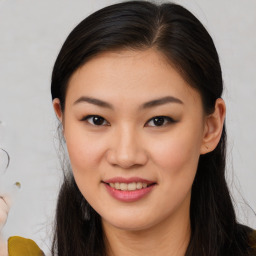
pixel 129 75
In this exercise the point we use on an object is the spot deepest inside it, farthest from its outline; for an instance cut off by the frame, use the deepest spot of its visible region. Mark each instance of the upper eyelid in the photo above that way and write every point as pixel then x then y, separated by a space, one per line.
pixel 90 116
pixel 166 117
pixel 170 119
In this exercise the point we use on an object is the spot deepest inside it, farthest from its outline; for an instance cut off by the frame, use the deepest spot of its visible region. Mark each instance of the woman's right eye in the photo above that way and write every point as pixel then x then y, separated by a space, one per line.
pixel 95 120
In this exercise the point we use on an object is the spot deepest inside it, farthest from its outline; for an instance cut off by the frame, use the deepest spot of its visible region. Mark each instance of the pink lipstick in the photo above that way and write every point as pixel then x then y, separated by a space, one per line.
pixel 128 189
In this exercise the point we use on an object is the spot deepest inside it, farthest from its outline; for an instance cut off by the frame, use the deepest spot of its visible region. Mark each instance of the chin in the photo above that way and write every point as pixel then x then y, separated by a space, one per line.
pixel 129 222
pixel 130 226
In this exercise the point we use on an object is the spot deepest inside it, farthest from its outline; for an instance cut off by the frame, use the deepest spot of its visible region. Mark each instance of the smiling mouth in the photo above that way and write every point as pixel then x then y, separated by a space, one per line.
pixel 129 186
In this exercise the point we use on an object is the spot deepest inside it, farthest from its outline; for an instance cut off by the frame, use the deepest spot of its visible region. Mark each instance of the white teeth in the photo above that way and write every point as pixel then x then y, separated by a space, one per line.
pixel 132 186
pixel 128 186
pixel 123 186
pixel 139 185
pixel 117 185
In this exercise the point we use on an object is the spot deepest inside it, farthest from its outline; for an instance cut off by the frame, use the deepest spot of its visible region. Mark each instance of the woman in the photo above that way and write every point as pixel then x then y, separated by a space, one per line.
pixel 137 89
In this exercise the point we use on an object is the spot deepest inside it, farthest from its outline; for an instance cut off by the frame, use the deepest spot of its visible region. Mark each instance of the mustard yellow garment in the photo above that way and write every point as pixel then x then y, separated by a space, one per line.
pixel 19 246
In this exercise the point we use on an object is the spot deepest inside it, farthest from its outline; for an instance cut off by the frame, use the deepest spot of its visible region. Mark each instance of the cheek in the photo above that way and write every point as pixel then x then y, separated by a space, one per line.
pixel 176 152
pixel 83 148
pixel 177 157
pixel 85 153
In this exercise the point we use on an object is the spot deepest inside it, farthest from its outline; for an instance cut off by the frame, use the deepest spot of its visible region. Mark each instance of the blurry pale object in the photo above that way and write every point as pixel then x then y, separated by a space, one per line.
pixel 4 161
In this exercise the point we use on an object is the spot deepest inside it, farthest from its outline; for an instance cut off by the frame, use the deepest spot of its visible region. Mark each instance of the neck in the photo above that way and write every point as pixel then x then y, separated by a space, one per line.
pixel 168 238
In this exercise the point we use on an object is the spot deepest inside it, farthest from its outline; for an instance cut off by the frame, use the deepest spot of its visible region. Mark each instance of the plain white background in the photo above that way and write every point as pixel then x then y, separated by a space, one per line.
pixel 31 34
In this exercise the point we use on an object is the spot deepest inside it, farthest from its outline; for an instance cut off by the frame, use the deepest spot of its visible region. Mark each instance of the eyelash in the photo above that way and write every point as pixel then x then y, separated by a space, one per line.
pixel 167 120
pixel 95 116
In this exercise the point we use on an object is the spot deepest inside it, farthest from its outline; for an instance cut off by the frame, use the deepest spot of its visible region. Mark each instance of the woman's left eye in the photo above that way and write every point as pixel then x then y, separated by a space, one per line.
pixel 95 120
pixel 160 121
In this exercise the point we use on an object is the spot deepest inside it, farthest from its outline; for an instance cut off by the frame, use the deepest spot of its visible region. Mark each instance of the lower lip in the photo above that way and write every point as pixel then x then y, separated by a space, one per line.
pixel 128 195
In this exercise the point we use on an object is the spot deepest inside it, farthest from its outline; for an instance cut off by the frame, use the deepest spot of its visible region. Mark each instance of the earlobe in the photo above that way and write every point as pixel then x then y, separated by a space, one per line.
pixel 57 108
pixel 213 127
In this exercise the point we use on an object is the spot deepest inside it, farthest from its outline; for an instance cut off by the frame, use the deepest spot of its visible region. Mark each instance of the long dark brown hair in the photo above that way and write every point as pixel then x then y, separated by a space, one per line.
pixel 182 39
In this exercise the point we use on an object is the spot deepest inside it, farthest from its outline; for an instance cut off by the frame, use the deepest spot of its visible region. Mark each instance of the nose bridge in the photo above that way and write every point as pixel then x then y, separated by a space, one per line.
pixel 127 150
pixel 126 142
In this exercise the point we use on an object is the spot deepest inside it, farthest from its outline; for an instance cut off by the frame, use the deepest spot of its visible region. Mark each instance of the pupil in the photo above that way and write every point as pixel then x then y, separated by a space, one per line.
pixel 158 121
pixel 98 120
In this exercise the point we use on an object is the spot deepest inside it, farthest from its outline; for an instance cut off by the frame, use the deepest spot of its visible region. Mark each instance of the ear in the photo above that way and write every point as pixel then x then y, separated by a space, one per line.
pixel 213 127
pixel 57 109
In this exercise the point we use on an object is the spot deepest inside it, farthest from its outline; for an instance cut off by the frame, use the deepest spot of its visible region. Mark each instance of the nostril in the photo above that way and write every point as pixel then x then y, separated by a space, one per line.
pixel 126 160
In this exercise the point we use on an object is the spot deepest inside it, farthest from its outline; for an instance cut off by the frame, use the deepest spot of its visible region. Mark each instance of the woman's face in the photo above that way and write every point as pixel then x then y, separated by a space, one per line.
pixel 134 131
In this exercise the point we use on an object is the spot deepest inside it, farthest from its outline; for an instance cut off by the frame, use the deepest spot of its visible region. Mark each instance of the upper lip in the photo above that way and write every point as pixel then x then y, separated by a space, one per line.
pixel 128 180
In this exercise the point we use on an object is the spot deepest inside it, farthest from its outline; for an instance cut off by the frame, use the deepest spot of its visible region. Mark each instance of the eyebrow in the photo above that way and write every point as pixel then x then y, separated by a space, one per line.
pixel 149 104
pixel 93 101
pixel 161 101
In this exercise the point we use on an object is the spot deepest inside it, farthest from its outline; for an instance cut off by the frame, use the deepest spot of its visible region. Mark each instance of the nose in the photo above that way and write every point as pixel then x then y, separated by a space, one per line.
pixel 126 149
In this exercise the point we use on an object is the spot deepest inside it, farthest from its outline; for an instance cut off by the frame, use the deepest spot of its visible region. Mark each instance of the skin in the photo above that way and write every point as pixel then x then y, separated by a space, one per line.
pixel 5 205
pixel 4 209
pixel 129 144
